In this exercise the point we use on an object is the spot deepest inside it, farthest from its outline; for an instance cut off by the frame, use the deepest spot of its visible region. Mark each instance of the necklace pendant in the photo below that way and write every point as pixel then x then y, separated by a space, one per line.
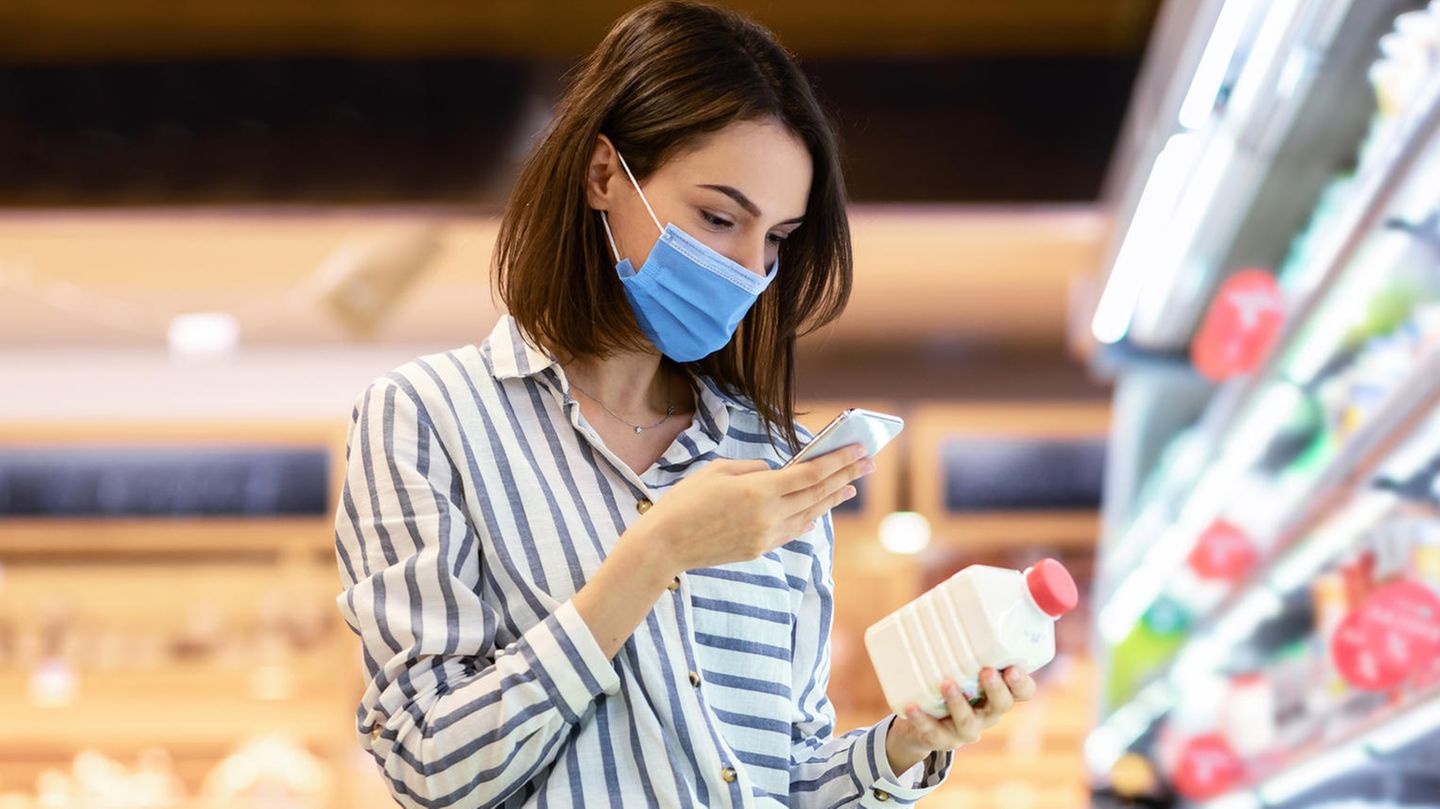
pixel 638 429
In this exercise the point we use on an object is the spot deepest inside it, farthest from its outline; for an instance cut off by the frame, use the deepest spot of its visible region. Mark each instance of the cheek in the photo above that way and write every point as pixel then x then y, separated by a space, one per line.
pixel 636 239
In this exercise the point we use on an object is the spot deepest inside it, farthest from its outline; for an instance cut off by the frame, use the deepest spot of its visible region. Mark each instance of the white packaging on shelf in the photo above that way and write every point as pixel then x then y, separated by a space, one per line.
pixel 1247 715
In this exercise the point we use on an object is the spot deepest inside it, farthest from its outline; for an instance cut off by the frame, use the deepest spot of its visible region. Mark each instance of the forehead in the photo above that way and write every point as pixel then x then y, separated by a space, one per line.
pixel 763 160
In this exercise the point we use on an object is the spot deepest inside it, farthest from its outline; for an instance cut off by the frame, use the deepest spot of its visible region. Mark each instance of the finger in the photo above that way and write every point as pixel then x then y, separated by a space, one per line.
pixel 1022 685
pixel 998 698
pixel 806 474
pixel 966 724
pixel 932 733
pixel 800 525
pixel 808 517
pixel 818 498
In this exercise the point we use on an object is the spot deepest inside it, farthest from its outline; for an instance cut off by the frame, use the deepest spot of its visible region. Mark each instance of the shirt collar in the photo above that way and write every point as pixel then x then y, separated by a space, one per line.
pixel 512 354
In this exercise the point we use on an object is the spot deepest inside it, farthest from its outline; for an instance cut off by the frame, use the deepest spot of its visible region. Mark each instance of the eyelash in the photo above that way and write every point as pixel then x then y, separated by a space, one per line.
pixel 716 221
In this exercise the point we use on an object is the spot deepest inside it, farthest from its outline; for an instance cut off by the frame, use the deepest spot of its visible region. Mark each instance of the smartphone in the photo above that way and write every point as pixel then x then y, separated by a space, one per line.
pixel 853 426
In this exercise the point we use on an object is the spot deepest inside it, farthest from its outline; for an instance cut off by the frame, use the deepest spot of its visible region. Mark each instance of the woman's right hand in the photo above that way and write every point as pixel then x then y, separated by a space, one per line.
pixel 733 511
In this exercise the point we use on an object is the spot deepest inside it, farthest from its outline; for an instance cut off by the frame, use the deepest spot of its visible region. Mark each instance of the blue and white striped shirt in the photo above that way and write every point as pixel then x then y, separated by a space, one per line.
pixel 477 501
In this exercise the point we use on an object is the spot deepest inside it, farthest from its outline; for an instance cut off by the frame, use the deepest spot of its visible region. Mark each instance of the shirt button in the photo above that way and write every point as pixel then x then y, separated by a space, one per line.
pixel 695 678
pixel 642 505
pixel 727 774
pixel 881 795
pixel 375 730
pixel 674 584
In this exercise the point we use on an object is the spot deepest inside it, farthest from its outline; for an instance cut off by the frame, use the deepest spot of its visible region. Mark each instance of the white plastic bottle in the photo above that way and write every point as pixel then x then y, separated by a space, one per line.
pixel 980 617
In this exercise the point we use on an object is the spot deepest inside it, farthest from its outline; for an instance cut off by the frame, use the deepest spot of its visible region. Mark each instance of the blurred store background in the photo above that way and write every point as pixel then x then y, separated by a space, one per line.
pixel 1156 287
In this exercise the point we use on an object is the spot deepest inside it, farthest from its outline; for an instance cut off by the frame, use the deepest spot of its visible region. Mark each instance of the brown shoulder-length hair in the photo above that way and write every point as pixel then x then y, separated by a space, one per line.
pixel 667 74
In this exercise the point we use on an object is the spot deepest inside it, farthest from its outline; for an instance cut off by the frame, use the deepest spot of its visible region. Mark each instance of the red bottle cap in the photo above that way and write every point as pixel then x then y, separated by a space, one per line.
pixel 1052 587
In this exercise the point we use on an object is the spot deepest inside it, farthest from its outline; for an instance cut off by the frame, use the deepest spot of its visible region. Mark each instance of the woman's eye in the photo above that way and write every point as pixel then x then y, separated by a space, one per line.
pixel 776 238
pixel 714 221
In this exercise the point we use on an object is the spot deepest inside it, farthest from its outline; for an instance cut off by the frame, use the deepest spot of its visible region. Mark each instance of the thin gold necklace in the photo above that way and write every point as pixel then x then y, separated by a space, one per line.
pixel 668 411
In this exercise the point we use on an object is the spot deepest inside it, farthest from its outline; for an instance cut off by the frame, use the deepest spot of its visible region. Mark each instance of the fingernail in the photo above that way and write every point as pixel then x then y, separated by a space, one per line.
pixel 952 690
pixel 867 467
pixel 857 452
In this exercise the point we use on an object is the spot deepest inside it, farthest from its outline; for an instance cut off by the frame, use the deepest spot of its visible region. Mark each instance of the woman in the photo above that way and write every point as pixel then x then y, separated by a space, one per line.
pixel 576 572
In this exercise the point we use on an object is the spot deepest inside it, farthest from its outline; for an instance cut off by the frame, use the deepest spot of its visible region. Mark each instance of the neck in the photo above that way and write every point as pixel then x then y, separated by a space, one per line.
pixel 633 383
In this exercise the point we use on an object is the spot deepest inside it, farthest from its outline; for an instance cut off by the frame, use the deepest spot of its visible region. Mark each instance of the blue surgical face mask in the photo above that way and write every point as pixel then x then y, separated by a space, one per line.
pixel 687 298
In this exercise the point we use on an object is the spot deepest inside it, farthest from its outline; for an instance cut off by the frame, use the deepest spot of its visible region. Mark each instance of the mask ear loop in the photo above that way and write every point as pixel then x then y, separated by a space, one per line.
pixel 626 166
pixel 605 220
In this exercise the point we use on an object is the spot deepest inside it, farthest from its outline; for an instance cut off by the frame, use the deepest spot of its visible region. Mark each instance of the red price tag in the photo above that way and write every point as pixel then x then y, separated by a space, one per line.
pixel 1394 634
pixel 1240 326
pixel 1223 552
pixel 1207 768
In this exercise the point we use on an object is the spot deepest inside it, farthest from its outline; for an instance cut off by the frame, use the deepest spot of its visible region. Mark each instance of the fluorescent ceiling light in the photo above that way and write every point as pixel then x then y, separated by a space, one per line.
pixel 1191 211
pixel 1146 236
pixel 1214 63
pixel 1270 42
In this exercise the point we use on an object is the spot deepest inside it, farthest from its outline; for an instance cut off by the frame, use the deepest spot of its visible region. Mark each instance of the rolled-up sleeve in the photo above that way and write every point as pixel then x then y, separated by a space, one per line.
pixel 850 769
pixel 450 718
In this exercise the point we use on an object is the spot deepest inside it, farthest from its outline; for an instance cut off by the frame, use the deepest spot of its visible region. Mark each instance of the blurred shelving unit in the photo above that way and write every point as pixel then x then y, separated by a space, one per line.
pixel 143 622
pixel 1252 512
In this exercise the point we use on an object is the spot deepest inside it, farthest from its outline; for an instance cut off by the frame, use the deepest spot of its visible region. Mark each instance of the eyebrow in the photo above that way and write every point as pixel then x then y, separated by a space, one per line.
pixel 744 201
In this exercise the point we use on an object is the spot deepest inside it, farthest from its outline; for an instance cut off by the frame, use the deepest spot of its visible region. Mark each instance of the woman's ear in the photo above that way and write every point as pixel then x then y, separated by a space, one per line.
pixel 603 167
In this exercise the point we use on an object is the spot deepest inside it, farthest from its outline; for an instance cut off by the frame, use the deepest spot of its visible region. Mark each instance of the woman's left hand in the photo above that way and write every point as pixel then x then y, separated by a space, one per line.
pixel 914 736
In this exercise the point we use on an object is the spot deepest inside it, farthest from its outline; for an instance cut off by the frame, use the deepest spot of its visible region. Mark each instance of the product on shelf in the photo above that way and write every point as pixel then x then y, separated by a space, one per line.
pixel 95 781
pixel 1153 641
pixel 1292 673
pixel 1247 717
pixel 1425 558
pixel 269 773
pixel 1132 775
pixel 1331 600
pixel 1408 54
pixel 1297 272
pixel 1408 57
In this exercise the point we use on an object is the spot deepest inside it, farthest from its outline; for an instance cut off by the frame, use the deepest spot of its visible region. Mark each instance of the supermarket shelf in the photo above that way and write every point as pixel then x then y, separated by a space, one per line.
pixel 1231 622
pixel 1376 188
pixel 118 723
pixel 167 535
pixel 1401 412
pixel 1324 760
pixel 201 707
